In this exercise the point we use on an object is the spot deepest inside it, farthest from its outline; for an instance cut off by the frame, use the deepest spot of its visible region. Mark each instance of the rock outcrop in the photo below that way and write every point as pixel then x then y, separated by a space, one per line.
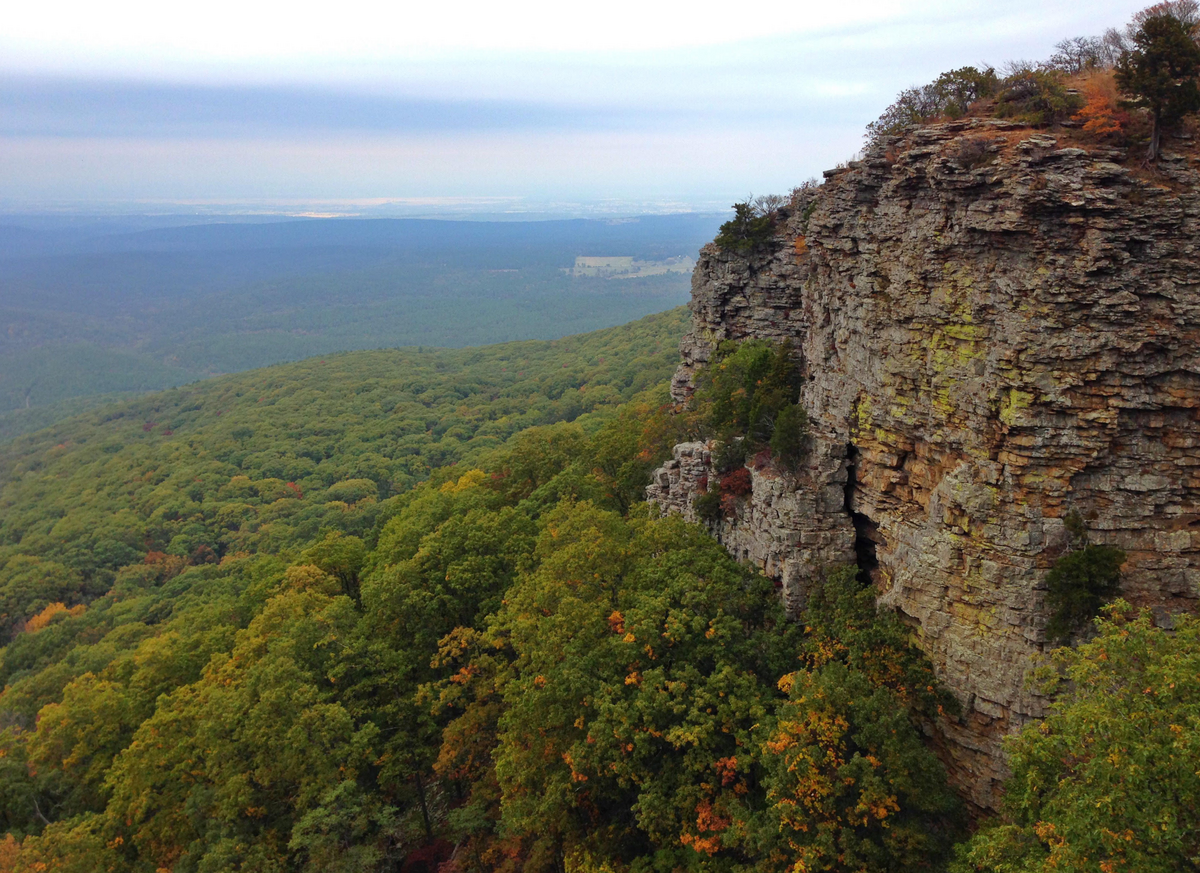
pixel 993 331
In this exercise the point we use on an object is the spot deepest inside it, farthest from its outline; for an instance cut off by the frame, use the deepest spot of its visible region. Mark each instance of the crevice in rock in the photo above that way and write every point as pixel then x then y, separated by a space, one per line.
pixel 851 477
pixel 866 530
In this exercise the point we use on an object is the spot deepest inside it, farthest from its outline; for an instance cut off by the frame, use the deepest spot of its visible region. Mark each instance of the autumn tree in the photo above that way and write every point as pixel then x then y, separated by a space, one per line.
pixel 850 781
pixel 1101 115
pixel 645 658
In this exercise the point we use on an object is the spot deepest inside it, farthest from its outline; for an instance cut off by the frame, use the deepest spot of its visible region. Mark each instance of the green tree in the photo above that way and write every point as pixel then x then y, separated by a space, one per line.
pixel 342 557
pixel 1109 780
pixel 1079 583
pixel 744 388
pixel 851 783
pixel 748 231
pixel 1160 72
pixel 78 738
pixel 645 658
pixel 789 438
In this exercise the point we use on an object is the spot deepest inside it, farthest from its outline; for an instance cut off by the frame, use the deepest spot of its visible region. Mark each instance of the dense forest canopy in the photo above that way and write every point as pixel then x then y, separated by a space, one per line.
pixel 407 610
pixel 266 460
pixel 416 631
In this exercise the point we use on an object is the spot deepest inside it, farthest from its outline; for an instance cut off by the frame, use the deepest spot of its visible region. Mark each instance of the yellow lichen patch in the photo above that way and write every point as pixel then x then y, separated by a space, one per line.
pixel 1011 405
pixel 862 414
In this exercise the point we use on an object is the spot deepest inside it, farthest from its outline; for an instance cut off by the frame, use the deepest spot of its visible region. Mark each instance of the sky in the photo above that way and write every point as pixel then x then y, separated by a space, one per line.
pixel 550 107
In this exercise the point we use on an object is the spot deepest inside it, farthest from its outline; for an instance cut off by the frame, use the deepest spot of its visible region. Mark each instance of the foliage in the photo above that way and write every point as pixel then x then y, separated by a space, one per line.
pixel 1108 781
pixel 852 785
pixel 950 96
pixel 789 439
pixel 744 389
pixel 1078 584
pixel 1102 115
pixel 730 454
pixel 644 659
pixel 511 657
pixel 271 461
pixel 1036 97
pixel 747 398
pixel 1160 71
pixel 708 506
pixel 750 229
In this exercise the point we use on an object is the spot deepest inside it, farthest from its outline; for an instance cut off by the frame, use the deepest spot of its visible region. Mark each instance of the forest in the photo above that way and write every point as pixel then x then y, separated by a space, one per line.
pixel 407 610
pixel 90 311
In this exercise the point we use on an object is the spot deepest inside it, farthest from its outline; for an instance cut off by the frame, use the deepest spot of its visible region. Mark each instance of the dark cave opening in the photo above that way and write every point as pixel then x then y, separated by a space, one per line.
pixel 866 531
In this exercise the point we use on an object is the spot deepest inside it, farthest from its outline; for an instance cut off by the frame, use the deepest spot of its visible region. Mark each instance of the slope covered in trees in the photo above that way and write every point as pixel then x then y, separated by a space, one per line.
pixel 266 460
pixel 355 614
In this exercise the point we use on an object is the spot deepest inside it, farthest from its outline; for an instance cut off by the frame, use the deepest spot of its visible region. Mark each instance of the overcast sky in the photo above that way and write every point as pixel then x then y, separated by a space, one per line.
pixel 372 108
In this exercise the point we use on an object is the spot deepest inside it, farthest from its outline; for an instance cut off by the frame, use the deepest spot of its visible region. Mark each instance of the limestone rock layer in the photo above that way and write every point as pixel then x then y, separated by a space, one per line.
pixel 994 330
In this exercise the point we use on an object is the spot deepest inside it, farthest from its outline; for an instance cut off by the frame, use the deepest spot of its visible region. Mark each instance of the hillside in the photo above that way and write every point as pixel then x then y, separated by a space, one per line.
pixel 110 481
pixel 307 618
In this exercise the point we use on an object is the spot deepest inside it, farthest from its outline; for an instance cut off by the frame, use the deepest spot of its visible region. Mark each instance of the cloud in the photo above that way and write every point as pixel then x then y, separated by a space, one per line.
pixel 58 106
pixel 258 100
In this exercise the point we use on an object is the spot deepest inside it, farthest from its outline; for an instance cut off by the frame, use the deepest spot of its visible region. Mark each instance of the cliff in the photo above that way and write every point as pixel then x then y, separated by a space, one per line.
pixel 994 329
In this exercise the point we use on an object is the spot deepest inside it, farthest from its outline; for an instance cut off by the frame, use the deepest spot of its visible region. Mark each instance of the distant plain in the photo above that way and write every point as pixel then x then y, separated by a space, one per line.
pixel 95 310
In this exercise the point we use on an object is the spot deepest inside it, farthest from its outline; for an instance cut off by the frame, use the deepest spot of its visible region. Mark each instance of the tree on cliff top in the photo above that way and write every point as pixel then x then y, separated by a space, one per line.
pixel 1160 70
pixel 752 226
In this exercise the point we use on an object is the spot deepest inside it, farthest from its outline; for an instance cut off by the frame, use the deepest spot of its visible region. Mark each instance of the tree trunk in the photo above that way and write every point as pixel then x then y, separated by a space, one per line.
pixel 424 808
pixel 1155 139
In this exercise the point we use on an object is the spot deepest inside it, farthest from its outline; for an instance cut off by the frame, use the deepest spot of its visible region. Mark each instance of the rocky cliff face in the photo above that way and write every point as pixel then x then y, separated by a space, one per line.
pixel 993 330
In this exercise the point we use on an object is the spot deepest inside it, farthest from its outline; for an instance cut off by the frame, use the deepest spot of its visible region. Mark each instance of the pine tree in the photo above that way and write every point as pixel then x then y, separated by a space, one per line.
pixel 1161 71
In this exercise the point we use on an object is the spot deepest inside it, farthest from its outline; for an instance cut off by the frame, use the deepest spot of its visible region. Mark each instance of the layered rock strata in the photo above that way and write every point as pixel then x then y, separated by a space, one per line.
pixel 993 330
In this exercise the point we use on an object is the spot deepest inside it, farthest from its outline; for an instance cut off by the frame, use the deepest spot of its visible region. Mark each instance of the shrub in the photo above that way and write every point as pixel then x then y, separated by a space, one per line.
pixel 744 388
pixel 972 152
pixel 1037 97
pixel 708 505
pixel 721 501
pixel 1101 115
pixel 1109 780
pixel 737 483
pixel 789 441
pixel 750 229
pixel 748 399
pixel 730 455
pixel 1078 585
pixel 950 96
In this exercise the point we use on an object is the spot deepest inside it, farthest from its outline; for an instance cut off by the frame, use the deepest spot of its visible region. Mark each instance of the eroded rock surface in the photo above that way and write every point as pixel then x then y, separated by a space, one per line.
pixel 993 331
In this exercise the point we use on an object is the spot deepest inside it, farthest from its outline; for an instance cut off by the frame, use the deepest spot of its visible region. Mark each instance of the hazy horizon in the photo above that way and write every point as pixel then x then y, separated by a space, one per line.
pixel 528 110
